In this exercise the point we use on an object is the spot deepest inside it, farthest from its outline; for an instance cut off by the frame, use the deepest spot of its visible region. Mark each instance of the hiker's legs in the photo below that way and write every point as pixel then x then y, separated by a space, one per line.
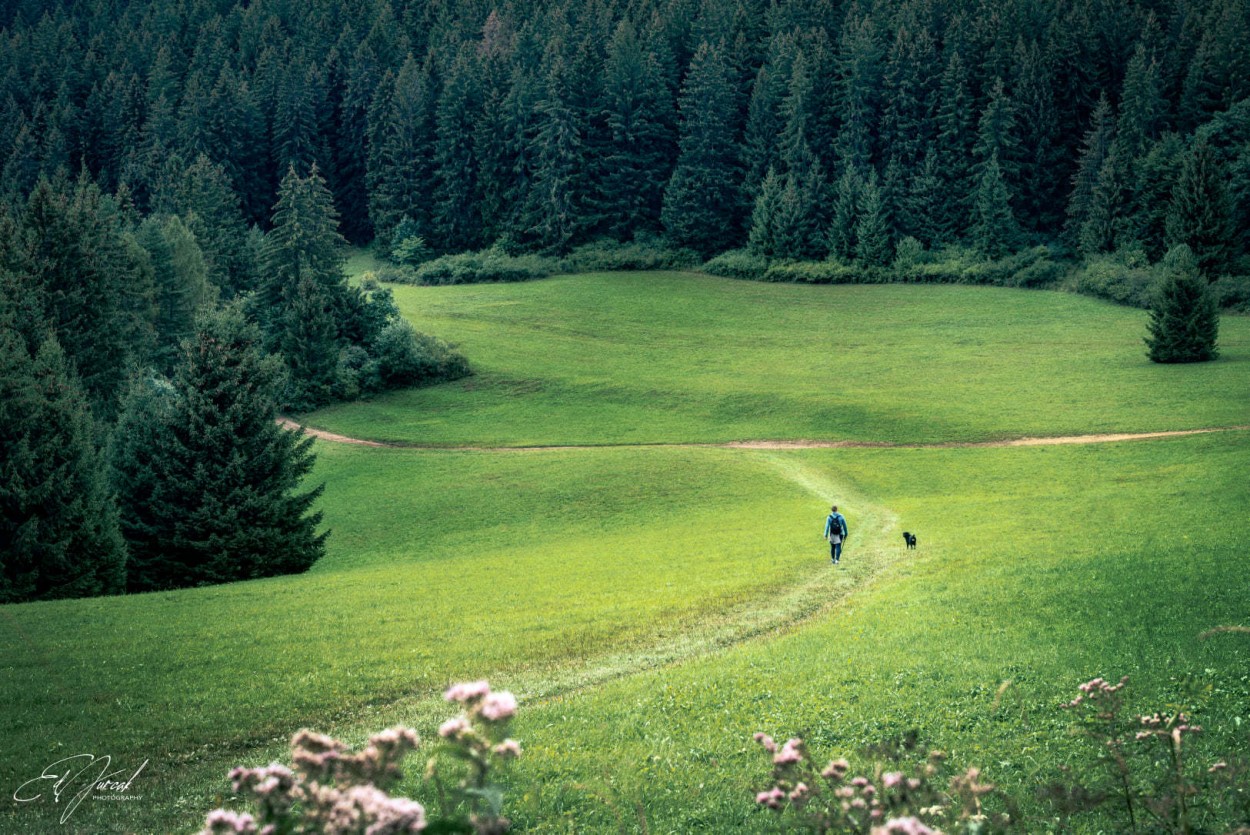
pixel 835 551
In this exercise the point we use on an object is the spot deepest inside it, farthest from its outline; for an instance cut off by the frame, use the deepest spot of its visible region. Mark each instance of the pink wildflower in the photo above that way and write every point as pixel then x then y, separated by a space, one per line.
pixel 453 728
pixel 791 752
pixel 223 821
pixel 891 779
pixel 509 748
pixel 859 782
pixel 800 791
pixel 771 798
pixel 902 826
pixel 767 741
pixel 836 770
pixel 498 706
pixel 467 691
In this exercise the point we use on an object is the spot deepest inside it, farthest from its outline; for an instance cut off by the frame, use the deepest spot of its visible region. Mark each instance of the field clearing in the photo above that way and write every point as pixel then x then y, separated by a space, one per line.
pixel 679 357
pixel 655 605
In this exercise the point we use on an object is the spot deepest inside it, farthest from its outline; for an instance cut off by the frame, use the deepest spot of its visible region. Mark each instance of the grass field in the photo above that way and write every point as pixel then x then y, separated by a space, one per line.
pixel 654 606
pixel 667 357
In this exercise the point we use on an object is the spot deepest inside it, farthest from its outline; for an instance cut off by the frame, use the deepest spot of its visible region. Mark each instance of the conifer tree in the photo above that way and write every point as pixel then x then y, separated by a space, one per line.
pixel 997 136
pixel 873 247
pixel 457 219
pixel 1096 146
pixel 923 204
pixel 763 237
pixel 994 230
pixel 640 125
pixel 78 266
pixel 1200 213
pixel 701 209
pixel 763 125
pixel 401 124
pixel 841 235
pixel 213 214
pixel 554 209
pixel 179 275
pixel 1104 227
pixel 206 481
pixel 309 344
pixel 956 137
pixel 1184 319
pixel 859 86
pixel 304 241
pixel 58 526
pixel 1142 108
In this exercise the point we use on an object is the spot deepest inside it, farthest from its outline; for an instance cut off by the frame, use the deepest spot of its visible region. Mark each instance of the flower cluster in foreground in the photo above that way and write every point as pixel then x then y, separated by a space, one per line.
pixel 330 789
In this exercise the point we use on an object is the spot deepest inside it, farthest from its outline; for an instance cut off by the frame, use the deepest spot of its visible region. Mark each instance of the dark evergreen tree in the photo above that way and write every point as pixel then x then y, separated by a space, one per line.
pixel 922 208
pixel 212 212
pixel 1200 213
pixel 401 150
pixel 841 236
pixel 554 211
pixel 873 247
pixel 1184 320
pixel 859 88
pixel 310 346
pixel 701 203
pixel 1104 226
pixel 1094 152
pixel 77 268
pixel 956 137
pixel 207 482
pixel 457 218
pixel 1142 108
pixel 180 280
pixel 997 136
pixel 764 218
pixel 640 122
pixel 58 526
pixel 994 229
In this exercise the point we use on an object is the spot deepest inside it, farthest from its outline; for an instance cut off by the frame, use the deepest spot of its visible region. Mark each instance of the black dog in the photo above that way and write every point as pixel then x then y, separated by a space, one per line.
pixel 910 539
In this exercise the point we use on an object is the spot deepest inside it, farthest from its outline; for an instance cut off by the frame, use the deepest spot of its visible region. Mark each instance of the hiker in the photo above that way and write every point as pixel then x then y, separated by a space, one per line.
pixel 835 532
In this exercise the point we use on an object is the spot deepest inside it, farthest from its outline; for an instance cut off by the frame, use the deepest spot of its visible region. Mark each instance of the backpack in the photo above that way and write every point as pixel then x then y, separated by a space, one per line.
pixel 835 525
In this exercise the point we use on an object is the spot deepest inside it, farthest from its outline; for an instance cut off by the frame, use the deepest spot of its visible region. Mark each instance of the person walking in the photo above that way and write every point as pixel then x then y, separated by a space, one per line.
pixel 835 532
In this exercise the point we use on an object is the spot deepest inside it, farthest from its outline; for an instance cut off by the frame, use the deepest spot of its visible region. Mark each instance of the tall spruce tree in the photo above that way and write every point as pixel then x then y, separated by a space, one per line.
pixel 873 247
pixel 994 229
pixel 207 482
pixel 841 236
pixel 457 218
pixel 701 203
pixel 555 211
pixel 58 526
pixel 180 278
pixel 1200 215
pixel 1184 319
pixel 1096 146
pixel 956 137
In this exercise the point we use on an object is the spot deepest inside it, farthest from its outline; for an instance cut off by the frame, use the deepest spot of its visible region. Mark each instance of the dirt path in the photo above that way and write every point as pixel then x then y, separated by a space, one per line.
pixel 776 445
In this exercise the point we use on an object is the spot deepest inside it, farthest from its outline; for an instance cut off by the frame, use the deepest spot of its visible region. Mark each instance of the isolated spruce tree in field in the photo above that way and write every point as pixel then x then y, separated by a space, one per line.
pixel 58 525
pixel 1184 317
pixel 701 201
pixel 207 484
pixel 994 229
pixel 1200 214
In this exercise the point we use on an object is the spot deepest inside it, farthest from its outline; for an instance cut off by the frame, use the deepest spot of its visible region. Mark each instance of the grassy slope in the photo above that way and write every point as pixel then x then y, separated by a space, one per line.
pixel 1024 572
pixel 628 358
pixel 557 573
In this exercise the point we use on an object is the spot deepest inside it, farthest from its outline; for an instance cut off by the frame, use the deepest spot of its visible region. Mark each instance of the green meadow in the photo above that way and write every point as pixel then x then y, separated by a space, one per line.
pixel 654 602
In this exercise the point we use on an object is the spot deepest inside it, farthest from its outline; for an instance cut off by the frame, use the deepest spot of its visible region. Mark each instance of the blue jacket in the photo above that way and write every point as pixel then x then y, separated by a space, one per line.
pixel 840 521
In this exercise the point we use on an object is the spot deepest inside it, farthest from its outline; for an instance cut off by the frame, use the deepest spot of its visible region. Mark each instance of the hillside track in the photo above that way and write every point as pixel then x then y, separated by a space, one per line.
pixel 1060 440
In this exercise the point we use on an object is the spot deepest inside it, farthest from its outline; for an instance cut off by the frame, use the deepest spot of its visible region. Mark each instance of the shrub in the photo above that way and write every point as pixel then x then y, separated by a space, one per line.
pixel 825 272
pixel 394 274
pixel 1117 279
pixel 330 789
pixel 640 254
pixel 1232 292
pixel 737 263
pixel 908 255
pixel 407 358
pixel 411 251
pixel 490 265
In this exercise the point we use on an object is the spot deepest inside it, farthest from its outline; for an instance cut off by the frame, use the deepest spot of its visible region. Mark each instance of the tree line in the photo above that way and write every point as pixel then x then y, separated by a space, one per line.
pixel 803 129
